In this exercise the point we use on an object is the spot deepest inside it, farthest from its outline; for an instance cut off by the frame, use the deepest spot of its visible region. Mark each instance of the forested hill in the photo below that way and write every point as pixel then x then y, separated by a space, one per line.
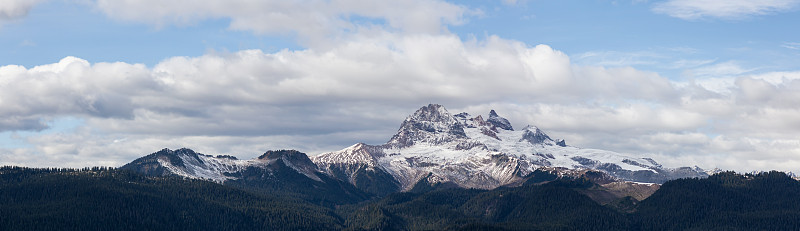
pixel 725 201
pixel 111 199
pixel 103 199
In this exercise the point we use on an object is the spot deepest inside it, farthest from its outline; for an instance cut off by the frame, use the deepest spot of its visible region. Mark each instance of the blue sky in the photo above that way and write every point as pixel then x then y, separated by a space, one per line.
pixel 101 82
pixel 618 32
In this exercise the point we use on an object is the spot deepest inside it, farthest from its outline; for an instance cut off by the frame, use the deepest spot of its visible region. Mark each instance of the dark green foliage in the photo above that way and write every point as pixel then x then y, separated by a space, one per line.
pixel 374 181
pixel 282 179
pixel 103 199
pixel 539 176
pixel 424 185
pixel 553 206
pixel 725 201
pixel 112 199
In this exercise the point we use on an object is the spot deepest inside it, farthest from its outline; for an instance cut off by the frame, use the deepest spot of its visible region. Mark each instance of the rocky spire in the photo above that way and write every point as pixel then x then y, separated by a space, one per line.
pixel 535 135
pixel 431 124
pixel 499 122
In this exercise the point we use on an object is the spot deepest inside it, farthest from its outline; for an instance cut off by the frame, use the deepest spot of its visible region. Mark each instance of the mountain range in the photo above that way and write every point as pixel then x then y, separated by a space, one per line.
pixel 432 148
pixel 438 172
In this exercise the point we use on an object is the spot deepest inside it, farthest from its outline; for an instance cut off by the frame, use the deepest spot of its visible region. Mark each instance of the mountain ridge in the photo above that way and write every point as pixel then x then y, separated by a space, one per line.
pixel 476 153
pixel 431 147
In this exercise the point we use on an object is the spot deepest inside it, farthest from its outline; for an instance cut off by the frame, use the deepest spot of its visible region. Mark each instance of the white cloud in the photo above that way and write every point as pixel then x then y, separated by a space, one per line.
pixel 15 9
pixel 725 9
pixel 315 22
pixel 366 86
pixel 314 100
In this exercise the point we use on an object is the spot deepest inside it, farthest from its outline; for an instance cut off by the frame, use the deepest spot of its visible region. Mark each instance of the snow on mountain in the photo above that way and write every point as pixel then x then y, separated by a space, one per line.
pixel 437 147
pixel 432 147
pixel 187 163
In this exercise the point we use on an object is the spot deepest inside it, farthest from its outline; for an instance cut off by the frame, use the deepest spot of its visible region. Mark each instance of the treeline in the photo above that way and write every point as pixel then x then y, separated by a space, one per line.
pixel 113 199
pixel 110 199
pixel 724 201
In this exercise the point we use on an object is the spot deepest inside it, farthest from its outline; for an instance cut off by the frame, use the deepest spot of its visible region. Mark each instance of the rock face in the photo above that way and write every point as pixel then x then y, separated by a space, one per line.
pixel 431 124
pixel 499 122
pixel 432 146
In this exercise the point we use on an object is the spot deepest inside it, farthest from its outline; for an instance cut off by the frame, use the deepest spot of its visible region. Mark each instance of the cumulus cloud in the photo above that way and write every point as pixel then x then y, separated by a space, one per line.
pixel 15 9
pixel 315 22
pixel 725 9
pixel 71 86
pixel 316 100
pixel 366 86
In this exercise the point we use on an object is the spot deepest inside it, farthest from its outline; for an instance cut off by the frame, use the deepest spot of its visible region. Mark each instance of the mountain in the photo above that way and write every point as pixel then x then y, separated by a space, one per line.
pixel 439 172
pixel 432 149
pixel 433 146
pixel 283 171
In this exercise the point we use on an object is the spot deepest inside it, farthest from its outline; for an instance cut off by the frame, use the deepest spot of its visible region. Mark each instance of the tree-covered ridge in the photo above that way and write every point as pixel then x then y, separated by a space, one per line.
pixel 110 199
pixel 724 201
pixel 113 199
pixel 553 206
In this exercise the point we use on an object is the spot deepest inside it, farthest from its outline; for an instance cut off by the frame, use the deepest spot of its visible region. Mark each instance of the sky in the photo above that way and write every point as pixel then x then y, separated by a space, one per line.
pixel 711 83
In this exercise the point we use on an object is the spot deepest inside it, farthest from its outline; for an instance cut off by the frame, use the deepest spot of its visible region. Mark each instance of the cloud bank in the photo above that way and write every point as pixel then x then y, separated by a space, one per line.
pixel 245 102
pixel 367 66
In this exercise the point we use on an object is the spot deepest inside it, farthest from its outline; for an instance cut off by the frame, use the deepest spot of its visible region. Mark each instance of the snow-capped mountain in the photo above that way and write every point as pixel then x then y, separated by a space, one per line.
pixel 187 163
pixel 432 146
pixel 274 171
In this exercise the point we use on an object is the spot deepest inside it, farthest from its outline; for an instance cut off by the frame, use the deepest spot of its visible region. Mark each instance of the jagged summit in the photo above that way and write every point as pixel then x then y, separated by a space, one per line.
pixel 359 153
pixel 498 121
pixel 534 135
pixel 431 147
pixel 430 124
pixel 434 146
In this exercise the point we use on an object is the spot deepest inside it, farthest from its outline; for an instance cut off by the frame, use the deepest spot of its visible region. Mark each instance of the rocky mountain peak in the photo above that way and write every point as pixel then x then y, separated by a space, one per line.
pixel 534 135
pixel 294 159
pixel 499 122
pixel 165 161
pixel 291 156
pixel 430 124
pixel 181 151
pixel 434 114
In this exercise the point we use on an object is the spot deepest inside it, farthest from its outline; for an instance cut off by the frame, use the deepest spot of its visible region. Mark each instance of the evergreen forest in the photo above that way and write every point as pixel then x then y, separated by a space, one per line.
pixel 113 199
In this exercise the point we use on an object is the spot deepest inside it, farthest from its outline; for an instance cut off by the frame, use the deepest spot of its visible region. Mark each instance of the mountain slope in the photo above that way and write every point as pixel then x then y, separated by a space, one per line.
pixel 283 171
pixel 431 148
pixel 471 152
